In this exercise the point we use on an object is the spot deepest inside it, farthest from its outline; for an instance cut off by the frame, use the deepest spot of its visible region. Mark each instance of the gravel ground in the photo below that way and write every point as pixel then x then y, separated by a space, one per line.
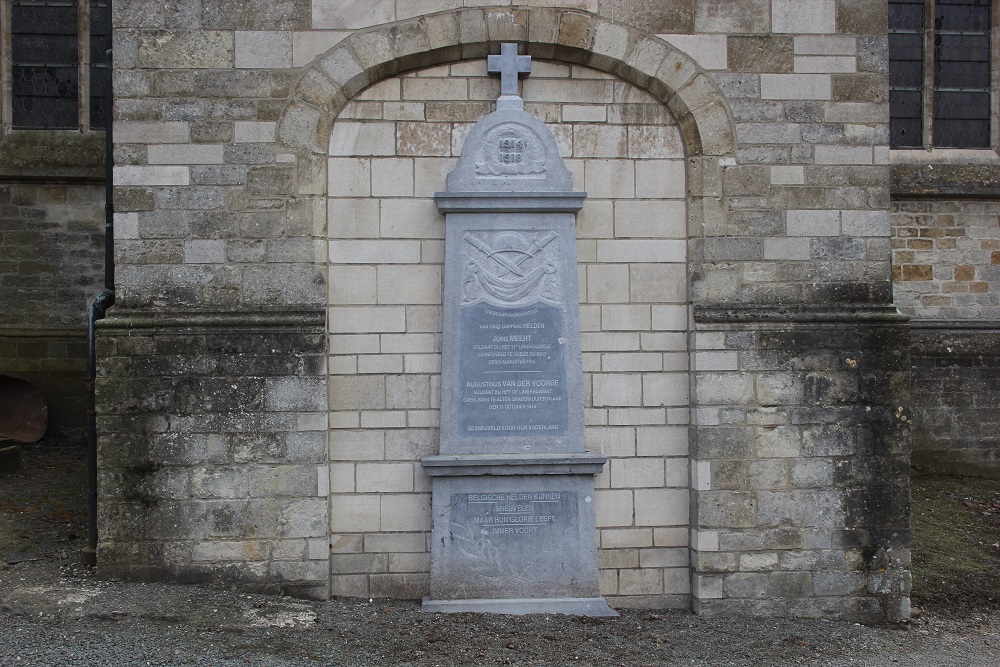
pixel 54 612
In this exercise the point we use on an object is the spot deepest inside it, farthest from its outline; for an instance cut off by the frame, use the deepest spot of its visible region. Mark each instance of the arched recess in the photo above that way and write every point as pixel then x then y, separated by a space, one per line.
pixel 569 36
pixel 572 37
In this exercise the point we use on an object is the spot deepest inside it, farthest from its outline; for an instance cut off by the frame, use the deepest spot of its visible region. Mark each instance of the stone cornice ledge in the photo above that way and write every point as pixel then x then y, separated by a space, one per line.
pixel 944 172
pixel 126 319
pixel 955 325
pixel 509 202
pixel 464 465
pixel 800 314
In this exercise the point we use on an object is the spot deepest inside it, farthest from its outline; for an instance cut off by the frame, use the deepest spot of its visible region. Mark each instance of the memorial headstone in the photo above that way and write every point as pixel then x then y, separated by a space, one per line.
pixel 513 485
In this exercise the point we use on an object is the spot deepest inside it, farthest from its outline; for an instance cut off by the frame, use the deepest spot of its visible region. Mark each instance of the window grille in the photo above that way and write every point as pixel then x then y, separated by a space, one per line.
pixel 951 40
pixel 57 69
pixel 45 64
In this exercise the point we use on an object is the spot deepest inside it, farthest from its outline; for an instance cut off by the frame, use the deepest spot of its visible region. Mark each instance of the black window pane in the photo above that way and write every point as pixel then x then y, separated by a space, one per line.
pixel 906 57
pixel 906 124
pixel 43 18
pixel 962 77
pixel 952 75
pixel 963 16
pixel 906 73
pixel 905 133
pixel 99 46
pixel 100 79
pixel 44 97
pixel 100 40
pixel 962 48
pixel 99 85
pixel 961 105
pixel 44 81
pixel 44 68
pixel 100 17
pixel 961 133
pixel 31 49
pixel 906 46
pixel 45 112
pixel 906 15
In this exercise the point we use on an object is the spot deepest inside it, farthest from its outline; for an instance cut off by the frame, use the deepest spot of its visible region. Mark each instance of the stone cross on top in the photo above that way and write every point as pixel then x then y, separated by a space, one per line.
pixel 510 66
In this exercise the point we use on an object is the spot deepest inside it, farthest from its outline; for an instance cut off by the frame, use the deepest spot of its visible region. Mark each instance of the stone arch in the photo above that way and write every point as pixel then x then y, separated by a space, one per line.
pixel 569 36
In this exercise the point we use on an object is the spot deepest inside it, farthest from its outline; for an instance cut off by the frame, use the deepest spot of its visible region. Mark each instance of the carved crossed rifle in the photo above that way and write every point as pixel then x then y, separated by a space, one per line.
pixel 512 265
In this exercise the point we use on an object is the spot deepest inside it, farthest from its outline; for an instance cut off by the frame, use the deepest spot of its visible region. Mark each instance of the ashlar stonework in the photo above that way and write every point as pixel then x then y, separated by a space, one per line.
pixel 271 374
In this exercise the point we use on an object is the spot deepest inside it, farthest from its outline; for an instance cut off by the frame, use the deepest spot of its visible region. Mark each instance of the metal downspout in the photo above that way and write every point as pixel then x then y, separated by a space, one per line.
pixel 96 308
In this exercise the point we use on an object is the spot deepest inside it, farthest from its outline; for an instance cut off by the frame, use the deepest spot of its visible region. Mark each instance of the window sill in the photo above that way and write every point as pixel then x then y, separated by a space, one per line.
pixel 945 172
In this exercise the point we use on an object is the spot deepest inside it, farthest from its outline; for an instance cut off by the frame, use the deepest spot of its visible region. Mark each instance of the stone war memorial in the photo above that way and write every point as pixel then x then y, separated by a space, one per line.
pixel 513 487
pixel 514 306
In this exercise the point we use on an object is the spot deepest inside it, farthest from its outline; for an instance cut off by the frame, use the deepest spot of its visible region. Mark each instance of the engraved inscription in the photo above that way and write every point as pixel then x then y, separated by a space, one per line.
pixel 511 268
pixel 511 150
pixel 513 513
pixel 511 537
pixel 512 379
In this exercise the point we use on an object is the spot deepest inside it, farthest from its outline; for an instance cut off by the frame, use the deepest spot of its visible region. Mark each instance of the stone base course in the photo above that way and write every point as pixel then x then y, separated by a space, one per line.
pixel 802 464
pixel 212 444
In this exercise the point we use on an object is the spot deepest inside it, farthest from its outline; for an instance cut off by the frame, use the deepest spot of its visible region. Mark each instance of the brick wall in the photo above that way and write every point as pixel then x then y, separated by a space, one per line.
pixel 51 262
pixel 946 258
pixel 946 267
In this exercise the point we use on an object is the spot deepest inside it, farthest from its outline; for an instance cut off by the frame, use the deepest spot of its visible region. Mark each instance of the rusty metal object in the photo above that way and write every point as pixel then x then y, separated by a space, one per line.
pixel 24 415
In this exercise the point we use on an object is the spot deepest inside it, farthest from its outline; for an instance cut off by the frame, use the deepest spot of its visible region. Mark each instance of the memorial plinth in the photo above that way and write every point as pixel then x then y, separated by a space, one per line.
pixel 513 485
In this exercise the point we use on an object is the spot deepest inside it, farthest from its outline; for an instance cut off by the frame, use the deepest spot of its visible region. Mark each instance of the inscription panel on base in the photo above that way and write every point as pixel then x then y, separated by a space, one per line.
pixel 519 536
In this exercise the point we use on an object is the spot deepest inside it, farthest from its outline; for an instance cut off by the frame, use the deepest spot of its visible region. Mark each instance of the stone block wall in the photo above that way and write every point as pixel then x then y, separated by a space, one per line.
pixel 242 132
pixel 390 151
pixel 956 397
pixel 213 449
pixel 802 473
pixel 51 262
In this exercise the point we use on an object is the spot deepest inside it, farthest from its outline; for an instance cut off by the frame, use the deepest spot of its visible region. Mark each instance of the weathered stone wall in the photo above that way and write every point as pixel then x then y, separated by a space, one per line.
pixel 803 471
pixel 224 126
pixel 946 270
pixel 213 449
pixel 212 372
pixel 51 262
pixel 956 397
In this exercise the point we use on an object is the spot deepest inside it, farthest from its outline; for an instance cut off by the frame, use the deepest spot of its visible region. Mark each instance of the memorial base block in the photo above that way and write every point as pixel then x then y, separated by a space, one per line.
pixel 570 606
pixel 514 539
